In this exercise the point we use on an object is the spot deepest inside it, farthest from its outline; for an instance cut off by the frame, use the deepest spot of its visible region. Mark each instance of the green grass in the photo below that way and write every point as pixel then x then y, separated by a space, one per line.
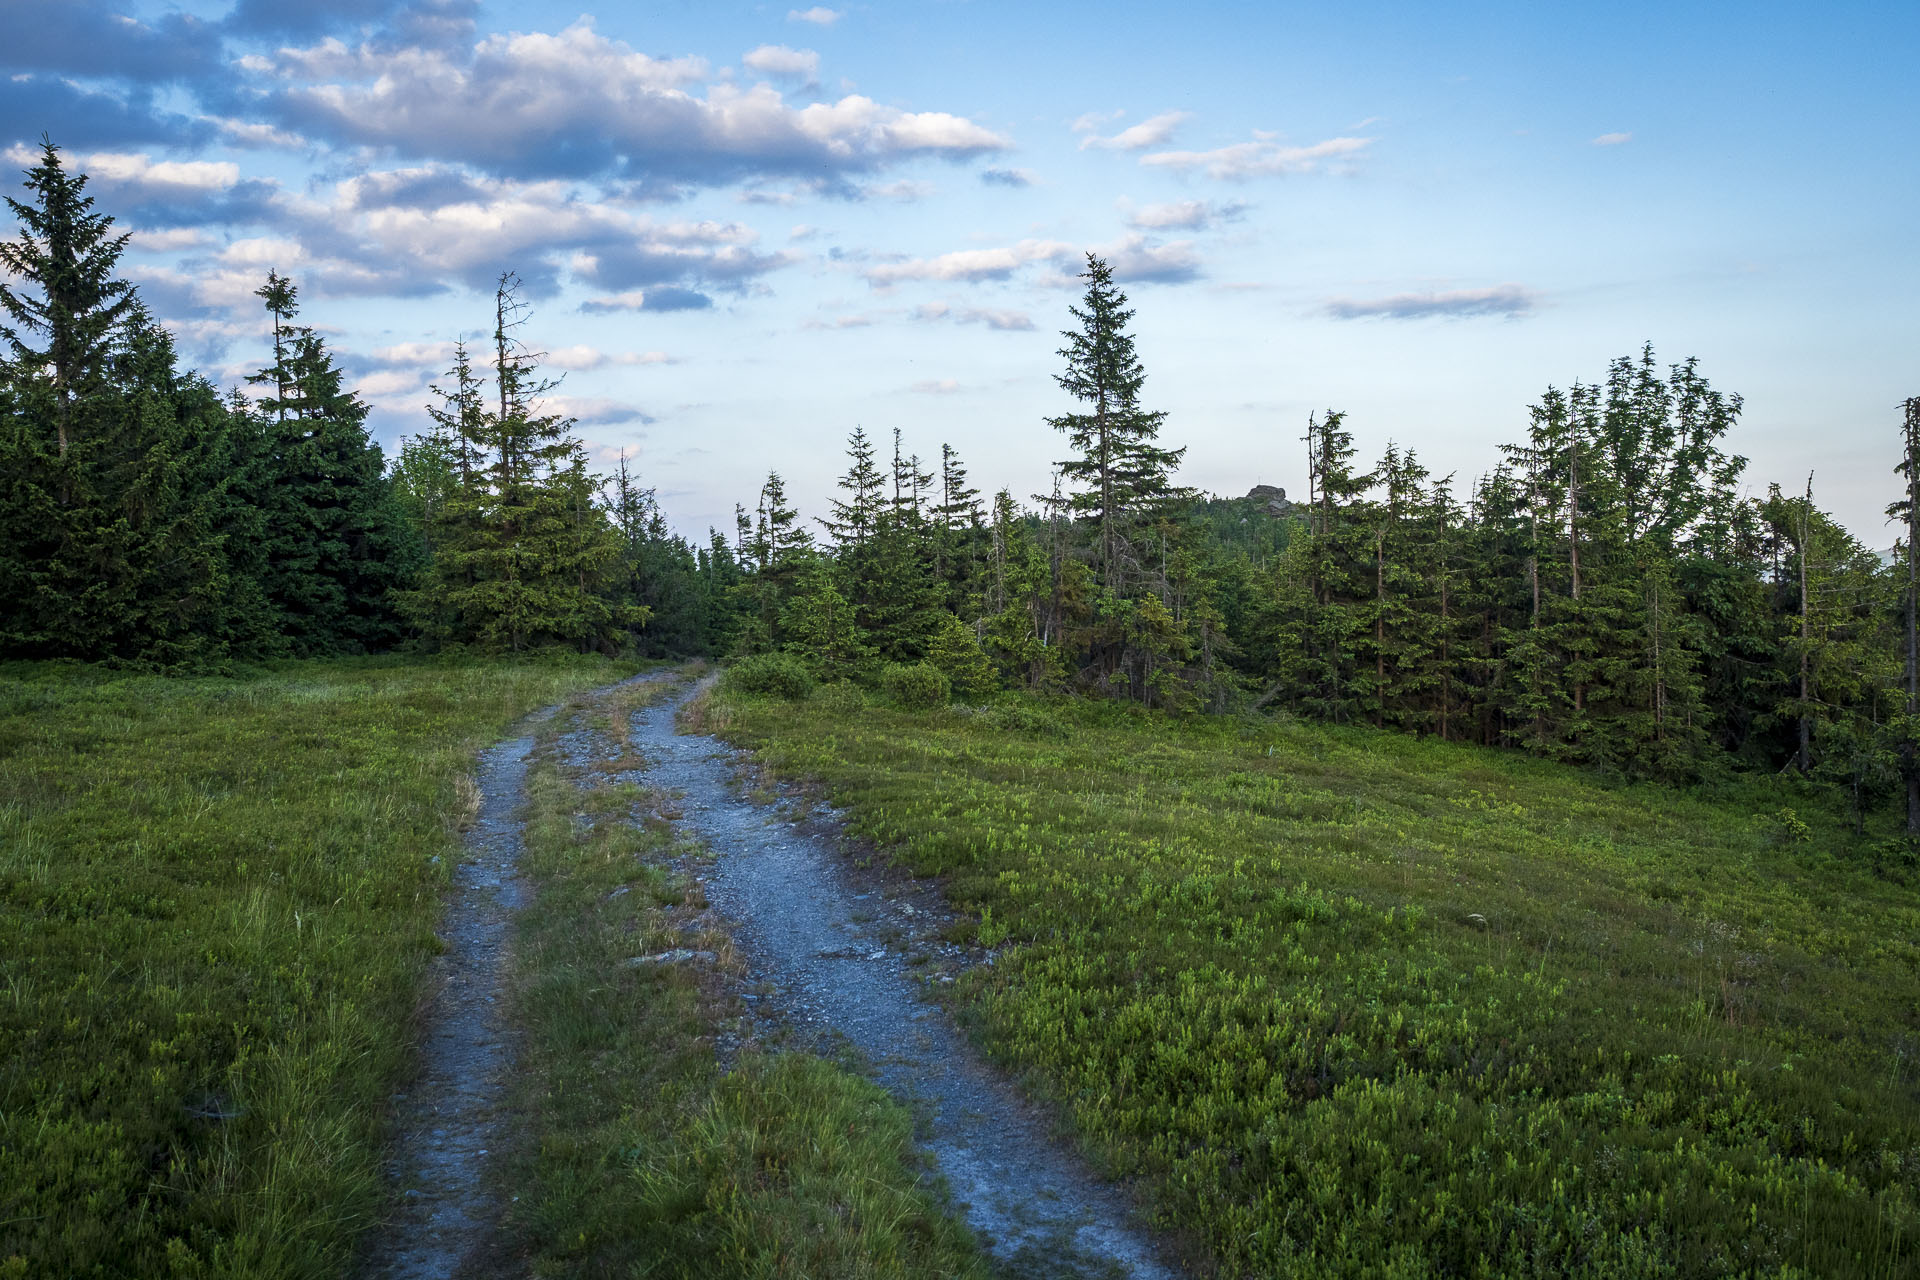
pixel 1349 1003
pixel 643 1156
pixel 216 900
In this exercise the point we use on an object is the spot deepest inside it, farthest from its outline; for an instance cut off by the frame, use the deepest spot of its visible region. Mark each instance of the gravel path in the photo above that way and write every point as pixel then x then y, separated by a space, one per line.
pixel 449 1120
pixel 807 931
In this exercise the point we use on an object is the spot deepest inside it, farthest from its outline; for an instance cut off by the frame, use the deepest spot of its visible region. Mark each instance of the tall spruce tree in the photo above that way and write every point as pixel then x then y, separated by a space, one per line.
pixel 338 546
pixel 116 500
pixel 525 555
pixel 1124 477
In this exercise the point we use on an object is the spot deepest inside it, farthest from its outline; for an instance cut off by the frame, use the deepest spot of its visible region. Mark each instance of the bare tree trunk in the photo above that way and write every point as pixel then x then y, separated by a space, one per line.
pixel 1380 629
pixel 1909 767
pixel 1806 636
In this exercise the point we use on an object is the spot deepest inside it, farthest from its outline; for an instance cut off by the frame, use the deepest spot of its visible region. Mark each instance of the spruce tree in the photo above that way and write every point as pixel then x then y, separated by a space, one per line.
pixel 338 546
pixel 62 325
pixel 1907 511
pixel 1125 478
pixel 116 499
pixel 525 555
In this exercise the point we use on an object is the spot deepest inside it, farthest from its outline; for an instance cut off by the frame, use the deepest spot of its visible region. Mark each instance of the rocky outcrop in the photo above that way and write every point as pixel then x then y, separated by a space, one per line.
pixel 1270 498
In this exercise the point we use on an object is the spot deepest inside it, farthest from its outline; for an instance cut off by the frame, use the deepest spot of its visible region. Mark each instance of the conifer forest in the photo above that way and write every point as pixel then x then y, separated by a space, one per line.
pixel 1411 874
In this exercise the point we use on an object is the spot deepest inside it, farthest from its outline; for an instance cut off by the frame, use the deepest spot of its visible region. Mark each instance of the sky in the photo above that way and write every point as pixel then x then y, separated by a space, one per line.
pixel 745 230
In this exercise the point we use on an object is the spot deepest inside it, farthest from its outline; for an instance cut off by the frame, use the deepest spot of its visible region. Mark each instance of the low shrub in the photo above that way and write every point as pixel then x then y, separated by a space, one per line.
pixel 841 698
pixel 1022 718
pixel 916 686
pixel 773 675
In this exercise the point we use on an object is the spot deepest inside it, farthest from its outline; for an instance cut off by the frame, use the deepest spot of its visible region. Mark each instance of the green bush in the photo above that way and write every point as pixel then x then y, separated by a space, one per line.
pixel 917 686
pixel 955 651
pixel 841 698
pixel 777 675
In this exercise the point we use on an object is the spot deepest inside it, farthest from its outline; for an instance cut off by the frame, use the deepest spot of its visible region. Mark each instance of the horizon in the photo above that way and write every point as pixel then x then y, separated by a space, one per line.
pixel 747 231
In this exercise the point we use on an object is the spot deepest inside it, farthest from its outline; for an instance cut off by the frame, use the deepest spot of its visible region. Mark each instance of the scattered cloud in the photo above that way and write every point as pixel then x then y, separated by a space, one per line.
pixel 1135 259
pixel 666 298
pixel 93 38
pixel 853 320
pixel 168 176
pixel 1510 300
pixel 1007 177
pixel 992 318
pixel 581 359
pixel 778 60
pixel 1094 120
pixel 904 190
pixel 1264 156
pixel 935 387
pixel 388 384
pixel 971 264
pixel 576 104
pixel 1184 215
pixel 1612 139
pixel 819 15
pixel 594 410
pixel 433 355
pixel 1148 133
pixel 171 240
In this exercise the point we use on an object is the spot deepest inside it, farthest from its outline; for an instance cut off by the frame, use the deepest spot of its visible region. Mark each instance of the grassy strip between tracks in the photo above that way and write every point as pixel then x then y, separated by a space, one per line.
pixel 1350 1003
pixel 217 897
pixel 642 1154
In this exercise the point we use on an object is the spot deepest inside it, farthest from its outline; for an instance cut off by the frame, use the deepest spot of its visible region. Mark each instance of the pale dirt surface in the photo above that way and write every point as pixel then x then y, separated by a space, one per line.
pixel 822 941
pixel 449 1120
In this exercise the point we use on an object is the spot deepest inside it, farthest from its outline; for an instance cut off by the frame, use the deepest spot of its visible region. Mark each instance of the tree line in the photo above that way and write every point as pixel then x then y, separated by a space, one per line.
pixel 1606 593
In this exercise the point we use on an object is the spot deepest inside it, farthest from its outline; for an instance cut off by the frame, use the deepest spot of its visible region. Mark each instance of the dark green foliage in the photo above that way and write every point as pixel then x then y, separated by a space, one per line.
pixel 524 553
pixel 956 653
pixel 116 471
pixel 916 686
pixel 774 675
pixel 336 544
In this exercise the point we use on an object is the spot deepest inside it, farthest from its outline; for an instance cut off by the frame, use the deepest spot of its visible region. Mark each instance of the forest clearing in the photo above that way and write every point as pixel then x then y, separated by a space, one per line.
pixel 521 758
pixel 1323 999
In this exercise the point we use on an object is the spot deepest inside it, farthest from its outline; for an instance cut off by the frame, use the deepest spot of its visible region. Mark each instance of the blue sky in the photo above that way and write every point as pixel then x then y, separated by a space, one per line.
pixel 748 229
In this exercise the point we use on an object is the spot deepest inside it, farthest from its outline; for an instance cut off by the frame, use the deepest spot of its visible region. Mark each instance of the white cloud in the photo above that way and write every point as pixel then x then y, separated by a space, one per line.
pixel 991 317
pixel 1148 133
pixel 580 359
pixel 1510 300
pixel 1612 139
pixel 169 241
pixel 389 383
pixel 971 264
pixel 852 320
pixel 576 103
pixel 1184 215
pixel 592 409
pixel 778 60
pixel 1008 177
pixel 135 170
pixel 437 354
pixel 1093 120
pixel 1135 258
pixel 819 15
pixel 935 386
pixel 1262 157
pixel 905 190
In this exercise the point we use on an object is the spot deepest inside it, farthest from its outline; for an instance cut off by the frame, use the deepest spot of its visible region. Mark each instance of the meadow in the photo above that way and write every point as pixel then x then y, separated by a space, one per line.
pixel 217 897
pixel 1337 1001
